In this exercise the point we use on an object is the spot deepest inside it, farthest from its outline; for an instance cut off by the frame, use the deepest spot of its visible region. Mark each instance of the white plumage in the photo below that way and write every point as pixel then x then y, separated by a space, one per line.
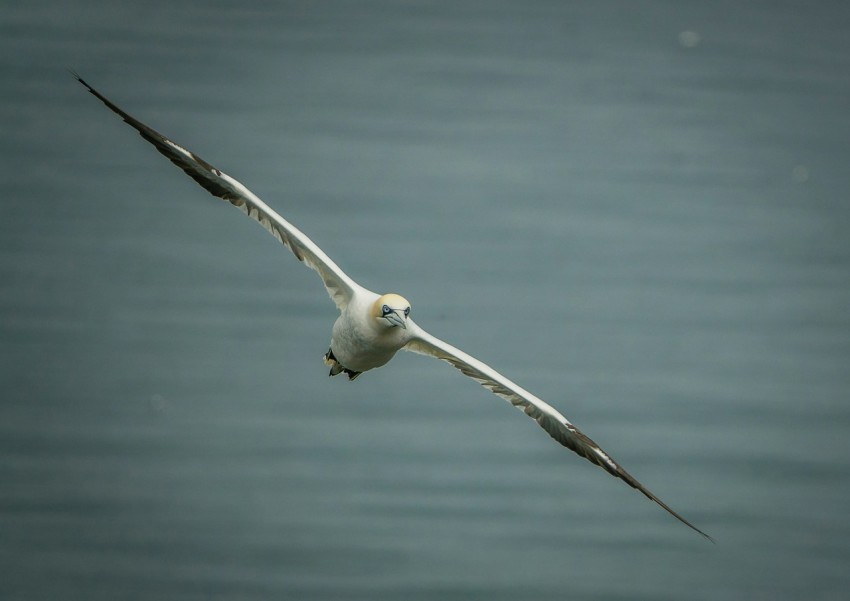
pixel 371 328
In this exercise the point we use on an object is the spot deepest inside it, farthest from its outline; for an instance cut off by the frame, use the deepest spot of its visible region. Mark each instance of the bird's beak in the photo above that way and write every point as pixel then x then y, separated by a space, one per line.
pixel 396 320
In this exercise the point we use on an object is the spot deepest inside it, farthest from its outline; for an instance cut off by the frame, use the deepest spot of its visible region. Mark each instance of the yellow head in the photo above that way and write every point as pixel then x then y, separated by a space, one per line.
pixel 392 310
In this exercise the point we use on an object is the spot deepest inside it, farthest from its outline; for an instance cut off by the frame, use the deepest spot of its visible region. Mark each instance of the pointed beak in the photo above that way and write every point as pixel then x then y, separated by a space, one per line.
pixel 396 320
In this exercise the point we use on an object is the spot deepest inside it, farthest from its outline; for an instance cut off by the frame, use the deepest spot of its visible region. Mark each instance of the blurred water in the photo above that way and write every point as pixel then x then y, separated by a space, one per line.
pixel 638 211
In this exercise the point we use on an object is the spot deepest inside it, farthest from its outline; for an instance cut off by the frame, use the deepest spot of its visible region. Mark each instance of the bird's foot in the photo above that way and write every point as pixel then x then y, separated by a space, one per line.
pixel 337 368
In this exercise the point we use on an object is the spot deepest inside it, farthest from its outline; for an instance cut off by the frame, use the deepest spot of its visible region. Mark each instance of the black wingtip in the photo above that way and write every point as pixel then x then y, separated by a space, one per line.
pixel 76 76
pixel 706 536
pixel 664 506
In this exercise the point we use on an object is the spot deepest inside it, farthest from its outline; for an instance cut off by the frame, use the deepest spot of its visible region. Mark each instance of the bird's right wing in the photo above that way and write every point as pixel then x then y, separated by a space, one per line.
pixel 555 424
pixel 340 287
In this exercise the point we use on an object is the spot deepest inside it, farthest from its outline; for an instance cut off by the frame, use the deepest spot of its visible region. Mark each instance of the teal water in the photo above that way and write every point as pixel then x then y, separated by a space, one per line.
pixel 637 211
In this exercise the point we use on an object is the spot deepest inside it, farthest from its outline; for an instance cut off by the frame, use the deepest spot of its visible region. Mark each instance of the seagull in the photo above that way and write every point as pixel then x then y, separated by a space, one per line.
pixel 371 327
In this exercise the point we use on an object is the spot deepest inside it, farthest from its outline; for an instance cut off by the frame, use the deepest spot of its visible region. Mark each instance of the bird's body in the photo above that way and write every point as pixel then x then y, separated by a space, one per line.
pixel 373 327
pixel 360 341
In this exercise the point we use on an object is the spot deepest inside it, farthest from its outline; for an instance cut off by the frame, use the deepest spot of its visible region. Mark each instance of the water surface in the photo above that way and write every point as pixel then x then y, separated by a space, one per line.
pixel 638 212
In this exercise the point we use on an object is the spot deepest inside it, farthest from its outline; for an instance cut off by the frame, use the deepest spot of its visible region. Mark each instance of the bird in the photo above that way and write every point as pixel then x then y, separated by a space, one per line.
pixel 372 327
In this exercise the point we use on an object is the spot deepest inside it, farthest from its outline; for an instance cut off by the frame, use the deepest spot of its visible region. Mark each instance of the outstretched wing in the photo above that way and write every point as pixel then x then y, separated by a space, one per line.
pixel 555 424
pixel 340 287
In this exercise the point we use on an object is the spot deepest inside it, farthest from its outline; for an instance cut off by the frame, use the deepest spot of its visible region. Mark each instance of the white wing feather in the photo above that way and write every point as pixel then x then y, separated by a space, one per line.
pixel 555 424
pixel 340 287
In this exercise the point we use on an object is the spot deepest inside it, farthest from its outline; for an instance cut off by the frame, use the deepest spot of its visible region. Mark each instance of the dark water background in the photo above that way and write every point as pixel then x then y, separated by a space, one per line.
pixel 639 211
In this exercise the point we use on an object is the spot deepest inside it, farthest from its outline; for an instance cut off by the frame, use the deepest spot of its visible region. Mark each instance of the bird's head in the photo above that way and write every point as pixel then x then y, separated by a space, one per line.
pixel 391 310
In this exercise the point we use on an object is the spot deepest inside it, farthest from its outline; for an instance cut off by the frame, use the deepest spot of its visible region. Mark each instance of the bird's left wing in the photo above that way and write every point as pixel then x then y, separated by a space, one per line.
pixel 340 287
pixel 555 424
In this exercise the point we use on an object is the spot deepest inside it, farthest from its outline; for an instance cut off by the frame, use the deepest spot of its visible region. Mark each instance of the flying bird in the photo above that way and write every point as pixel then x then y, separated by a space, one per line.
pixel 372 327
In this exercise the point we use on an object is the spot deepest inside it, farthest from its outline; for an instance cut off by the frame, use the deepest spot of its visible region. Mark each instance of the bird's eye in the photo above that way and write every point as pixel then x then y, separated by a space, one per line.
pixel 407 312
pixel 386 310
